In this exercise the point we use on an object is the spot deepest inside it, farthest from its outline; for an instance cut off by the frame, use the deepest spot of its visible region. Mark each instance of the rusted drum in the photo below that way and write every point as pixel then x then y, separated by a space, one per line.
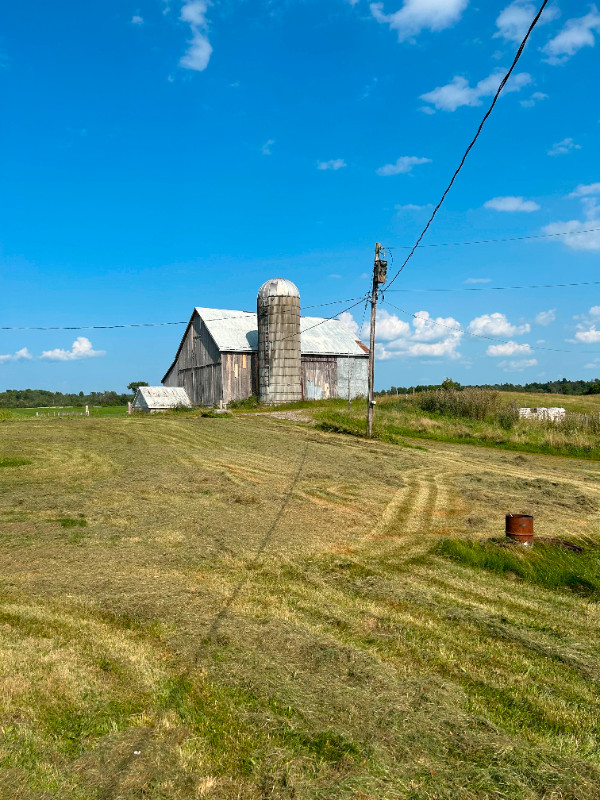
pixel 519 527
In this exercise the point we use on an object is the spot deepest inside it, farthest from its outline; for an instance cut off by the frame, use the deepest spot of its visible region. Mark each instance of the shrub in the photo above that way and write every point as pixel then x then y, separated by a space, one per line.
pixel 508 416
pixel 248 403
pixel 478 404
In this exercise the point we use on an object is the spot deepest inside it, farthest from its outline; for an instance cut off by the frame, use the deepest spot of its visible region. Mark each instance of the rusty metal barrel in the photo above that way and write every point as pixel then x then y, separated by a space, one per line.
pixel 519 528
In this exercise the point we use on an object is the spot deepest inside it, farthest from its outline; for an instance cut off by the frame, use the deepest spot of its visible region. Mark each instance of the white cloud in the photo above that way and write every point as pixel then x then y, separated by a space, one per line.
pixel 459 93
pixel 595 364
pixel 348 320
pixel 518 365
pixel 478 280
pixel 137 20
pixel 582 241
pixel 419 15
pixel 446 347
pixel 82 348
pixel 586 329
pixel 389 327
pixel 585 190
pixel 413 207
pixel 536 97
pixel 545 317
pixel 514 21
pixel 589 336
pixel 576 33
pixel 496 324
pixel 266 148
pixel 511 204
pixel 428 329
pixel 562 148
pixel 434 337
pixel 507 349
pixel 427 336
pixel 403 165
pixel 334 164
pixel 21 354
pixel 199 50
pixel 591 209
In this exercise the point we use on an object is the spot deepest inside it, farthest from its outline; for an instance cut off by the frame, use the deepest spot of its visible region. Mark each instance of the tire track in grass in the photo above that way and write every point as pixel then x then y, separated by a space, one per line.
pixel 416 507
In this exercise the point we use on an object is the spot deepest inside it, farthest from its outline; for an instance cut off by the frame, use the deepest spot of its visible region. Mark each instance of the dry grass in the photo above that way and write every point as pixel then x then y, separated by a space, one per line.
pixel 257 609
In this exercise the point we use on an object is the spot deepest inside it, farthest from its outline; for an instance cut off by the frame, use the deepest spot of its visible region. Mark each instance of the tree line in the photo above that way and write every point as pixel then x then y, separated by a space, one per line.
pixel 562 386
pixel 41 398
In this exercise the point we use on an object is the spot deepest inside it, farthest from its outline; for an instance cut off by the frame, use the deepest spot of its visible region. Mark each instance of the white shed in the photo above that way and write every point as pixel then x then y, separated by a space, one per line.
pixel 160 398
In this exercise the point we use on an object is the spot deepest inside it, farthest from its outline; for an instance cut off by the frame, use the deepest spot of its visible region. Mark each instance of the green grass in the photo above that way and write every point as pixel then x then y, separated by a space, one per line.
pixel 253 608
pixel 544 564
pixel 10 461
pixel 399 418
pixel 72 522
pixel 46 413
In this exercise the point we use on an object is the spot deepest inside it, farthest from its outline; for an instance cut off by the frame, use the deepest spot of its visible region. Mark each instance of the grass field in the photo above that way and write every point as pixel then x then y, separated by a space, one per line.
pixel 245 607
pixel 95 411
pixel 399 417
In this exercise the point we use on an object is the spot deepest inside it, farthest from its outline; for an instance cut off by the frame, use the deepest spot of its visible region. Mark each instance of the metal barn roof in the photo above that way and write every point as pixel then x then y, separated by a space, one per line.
pixel 237 331
pixel 158 397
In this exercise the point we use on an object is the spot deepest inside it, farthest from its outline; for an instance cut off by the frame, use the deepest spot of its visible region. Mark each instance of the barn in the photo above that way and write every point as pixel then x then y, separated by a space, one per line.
pixel 275 354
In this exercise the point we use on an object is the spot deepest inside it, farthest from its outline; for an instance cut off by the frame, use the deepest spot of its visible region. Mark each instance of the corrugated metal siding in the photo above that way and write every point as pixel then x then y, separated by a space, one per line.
pixel 359 376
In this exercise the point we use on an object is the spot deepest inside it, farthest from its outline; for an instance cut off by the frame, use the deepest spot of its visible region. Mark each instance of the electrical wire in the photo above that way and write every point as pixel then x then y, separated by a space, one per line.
pixel 471 145
pixel 496 241
pixel 460 329
pixel 501 288
pixel 160 324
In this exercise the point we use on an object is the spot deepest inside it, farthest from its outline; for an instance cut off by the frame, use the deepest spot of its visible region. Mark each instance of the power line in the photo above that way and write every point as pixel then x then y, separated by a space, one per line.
pixel 481 335
pixel 501 288
pixel 496 241
pixel 162 324
pixel 471 145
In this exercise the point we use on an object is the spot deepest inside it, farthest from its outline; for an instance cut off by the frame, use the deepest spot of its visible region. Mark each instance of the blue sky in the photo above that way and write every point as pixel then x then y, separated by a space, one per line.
pixel 160 155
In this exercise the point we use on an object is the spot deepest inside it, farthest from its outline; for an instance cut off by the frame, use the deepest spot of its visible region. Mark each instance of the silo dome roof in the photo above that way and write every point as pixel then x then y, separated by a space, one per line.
pixel 278 287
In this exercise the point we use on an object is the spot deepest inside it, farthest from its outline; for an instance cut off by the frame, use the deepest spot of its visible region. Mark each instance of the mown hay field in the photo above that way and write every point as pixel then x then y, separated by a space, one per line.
pixel 248 607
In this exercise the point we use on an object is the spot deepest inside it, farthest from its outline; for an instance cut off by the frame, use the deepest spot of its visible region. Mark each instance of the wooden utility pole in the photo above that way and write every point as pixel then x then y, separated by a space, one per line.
pixel 379 276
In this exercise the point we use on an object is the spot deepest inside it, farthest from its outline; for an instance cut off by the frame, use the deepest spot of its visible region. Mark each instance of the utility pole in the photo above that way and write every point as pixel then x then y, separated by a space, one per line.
pixel 379 277
pixel 349 403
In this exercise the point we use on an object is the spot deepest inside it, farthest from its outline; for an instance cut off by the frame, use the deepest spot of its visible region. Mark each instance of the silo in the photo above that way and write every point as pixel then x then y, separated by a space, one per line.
pixel 279 364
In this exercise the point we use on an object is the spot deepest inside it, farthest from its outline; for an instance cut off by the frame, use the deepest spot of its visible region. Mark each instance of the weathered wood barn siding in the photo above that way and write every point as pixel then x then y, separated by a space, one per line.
pixel 240 376
pixel 197 366
pixel 327 376
pixel 319 377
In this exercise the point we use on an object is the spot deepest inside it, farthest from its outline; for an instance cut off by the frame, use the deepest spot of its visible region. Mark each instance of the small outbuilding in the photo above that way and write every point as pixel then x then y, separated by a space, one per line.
pixel 160 398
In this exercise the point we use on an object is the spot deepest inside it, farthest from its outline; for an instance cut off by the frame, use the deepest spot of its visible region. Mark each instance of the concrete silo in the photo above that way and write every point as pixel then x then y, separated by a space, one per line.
pixel 279 363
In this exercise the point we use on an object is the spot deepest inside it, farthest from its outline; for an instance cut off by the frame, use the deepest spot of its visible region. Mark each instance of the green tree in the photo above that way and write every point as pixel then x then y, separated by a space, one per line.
pixel 135 385
pixel 448 383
